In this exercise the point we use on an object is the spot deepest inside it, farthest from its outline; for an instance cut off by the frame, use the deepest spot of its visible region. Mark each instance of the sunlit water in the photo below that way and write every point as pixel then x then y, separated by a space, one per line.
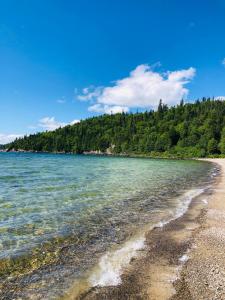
pixel 89 204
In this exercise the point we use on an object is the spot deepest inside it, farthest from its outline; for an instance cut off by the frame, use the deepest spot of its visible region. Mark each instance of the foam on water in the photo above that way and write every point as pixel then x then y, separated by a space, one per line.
pixel 111 264
pixel 186 200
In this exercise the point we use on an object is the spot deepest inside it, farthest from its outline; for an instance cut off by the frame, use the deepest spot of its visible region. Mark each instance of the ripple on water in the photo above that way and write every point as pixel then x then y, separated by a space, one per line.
pixel 68 211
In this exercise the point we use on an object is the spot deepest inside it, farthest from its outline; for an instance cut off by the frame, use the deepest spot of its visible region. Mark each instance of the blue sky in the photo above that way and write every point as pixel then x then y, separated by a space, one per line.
pixel 62 61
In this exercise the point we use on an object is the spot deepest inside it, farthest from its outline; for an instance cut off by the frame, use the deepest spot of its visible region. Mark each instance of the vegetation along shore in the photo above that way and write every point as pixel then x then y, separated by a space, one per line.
pixel 186 130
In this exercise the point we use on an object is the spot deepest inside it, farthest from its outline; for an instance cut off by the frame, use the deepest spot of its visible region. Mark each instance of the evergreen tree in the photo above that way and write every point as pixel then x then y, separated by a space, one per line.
pixel 187 130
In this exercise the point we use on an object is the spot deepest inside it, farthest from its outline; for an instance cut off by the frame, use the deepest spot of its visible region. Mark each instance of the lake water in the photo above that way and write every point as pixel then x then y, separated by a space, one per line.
pixel 72 213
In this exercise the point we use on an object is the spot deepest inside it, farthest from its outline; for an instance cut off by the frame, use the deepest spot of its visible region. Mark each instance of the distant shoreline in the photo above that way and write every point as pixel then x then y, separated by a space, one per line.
pixel 157 155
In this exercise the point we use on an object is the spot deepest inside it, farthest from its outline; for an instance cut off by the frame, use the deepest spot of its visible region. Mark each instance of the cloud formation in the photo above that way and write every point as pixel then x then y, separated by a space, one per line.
pixel 107 109
pixel 223 62
pixel 222 98
pixel 89 93
pixel 142 88
pixel 7 138
pixel 49 123
pixel 74 122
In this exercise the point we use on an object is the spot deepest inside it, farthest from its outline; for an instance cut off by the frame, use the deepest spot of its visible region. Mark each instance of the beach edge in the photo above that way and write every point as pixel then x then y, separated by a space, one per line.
pixel 202 276
pixel 160 271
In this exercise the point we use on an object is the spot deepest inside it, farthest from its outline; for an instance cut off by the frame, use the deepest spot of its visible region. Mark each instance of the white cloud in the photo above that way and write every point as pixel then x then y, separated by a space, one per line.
pixel 49 123
pixel 142 88
pixel 7 138
pixel 108 109
pixel 74 122
pixel 220 98
pixel 89 93
pixel 223 62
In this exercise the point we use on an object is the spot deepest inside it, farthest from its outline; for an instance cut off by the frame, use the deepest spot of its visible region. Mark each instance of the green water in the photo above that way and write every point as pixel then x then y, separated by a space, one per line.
pixel 78 207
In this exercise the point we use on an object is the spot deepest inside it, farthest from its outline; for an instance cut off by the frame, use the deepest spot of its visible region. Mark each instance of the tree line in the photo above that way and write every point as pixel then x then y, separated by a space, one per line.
pixel 186 130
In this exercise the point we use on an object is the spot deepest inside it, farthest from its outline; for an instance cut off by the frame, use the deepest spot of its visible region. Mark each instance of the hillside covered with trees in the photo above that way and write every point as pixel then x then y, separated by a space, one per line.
pixel 187 130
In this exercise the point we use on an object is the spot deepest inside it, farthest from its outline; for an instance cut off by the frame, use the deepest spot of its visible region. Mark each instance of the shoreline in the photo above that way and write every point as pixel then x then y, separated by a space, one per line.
pixel 110 270
pixel 154 155
pixel 160 271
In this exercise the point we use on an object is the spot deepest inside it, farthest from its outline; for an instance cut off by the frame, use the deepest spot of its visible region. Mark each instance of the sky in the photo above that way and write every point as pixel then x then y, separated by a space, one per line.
pixel 62 61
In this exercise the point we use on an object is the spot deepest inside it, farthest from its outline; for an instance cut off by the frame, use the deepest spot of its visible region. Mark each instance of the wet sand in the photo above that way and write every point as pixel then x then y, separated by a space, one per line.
pixel 183 260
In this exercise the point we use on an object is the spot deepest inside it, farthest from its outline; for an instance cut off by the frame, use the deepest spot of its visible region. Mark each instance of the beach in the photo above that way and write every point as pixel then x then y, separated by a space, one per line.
pixel 203 276
pixel 182 260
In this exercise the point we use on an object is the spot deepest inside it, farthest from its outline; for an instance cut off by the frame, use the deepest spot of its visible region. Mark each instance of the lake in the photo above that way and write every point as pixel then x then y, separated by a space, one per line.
pixel 66 218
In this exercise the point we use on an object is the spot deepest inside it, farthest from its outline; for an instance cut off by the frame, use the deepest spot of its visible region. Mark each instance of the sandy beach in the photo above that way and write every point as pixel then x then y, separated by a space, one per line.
pixel 182 260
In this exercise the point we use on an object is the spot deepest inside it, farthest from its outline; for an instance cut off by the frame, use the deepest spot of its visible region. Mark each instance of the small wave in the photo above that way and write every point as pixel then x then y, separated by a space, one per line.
pixel 111 265
pixel 162 223
pixel 186 200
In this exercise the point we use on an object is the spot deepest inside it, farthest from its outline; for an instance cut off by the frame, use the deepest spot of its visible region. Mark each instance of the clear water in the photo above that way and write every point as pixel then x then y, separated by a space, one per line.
pixel 87 203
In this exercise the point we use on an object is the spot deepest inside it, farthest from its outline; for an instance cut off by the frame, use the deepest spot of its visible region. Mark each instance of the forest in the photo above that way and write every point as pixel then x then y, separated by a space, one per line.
pixel 185 130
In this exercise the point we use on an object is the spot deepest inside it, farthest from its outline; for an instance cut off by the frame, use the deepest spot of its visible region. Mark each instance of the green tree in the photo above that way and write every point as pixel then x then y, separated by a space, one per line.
pixel 186 130
pixel 212 146
pixel 222 142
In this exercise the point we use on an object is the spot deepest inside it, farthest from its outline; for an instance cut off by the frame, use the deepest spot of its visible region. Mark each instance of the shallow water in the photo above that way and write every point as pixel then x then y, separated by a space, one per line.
pixel 85 205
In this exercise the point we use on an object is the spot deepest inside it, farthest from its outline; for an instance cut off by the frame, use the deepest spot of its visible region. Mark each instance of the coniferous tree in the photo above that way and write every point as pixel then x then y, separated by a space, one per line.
pixel 187 130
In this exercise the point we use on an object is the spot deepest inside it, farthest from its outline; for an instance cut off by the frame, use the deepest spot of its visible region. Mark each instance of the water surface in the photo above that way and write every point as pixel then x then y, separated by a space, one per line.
pixel 83 206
